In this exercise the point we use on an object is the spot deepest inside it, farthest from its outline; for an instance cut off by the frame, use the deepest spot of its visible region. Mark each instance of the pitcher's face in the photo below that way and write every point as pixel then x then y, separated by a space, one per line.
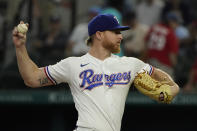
pixel 112 41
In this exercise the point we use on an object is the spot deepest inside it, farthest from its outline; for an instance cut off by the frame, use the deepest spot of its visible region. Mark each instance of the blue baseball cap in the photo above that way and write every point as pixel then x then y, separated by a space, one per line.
pixel 104 22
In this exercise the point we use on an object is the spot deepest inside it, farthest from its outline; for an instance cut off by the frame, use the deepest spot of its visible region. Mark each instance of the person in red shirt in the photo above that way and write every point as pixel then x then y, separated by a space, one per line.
pixel 162 44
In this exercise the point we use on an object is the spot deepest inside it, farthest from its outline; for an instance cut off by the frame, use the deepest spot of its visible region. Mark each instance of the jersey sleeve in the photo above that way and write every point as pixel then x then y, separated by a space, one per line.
pixel 147 68
pixel 59 73
pixel 140 66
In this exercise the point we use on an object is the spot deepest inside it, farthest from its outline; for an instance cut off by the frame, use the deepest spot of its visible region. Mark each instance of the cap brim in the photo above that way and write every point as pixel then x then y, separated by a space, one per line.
pixel 122 28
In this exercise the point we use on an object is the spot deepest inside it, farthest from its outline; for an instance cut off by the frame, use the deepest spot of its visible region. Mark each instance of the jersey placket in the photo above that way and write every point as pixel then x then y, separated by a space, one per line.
pixel 108 95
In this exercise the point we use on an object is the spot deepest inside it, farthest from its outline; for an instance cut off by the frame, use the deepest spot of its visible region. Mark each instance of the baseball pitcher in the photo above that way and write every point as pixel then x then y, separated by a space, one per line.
pixel 99 81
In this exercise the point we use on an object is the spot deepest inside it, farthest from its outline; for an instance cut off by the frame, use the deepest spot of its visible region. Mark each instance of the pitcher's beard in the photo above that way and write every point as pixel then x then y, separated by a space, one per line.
pixel 113 48
pixel 116 50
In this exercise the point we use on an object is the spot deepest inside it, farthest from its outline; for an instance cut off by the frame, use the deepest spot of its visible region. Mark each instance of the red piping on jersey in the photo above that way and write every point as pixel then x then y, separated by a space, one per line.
pixel 48 76
pixel 151 70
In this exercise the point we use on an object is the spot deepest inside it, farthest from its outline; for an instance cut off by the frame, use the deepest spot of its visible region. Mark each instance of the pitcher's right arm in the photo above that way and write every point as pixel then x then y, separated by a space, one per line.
pixel 32 75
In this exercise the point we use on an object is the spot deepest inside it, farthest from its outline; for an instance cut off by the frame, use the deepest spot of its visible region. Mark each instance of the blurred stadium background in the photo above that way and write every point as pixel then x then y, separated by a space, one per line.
pixel 52 108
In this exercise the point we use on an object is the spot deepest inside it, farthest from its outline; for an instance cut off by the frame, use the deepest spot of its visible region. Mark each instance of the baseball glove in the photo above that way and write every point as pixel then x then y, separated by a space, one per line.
pixel 152 88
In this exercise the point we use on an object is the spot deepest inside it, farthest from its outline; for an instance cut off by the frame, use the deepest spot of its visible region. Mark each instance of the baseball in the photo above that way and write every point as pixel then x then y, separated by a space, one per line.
pixel 22 28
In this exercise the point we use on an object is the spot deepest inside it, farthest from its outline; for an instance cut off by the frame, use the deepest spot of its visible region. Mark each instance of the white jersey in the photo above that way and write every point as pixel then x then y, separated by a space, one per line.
pixel 99 88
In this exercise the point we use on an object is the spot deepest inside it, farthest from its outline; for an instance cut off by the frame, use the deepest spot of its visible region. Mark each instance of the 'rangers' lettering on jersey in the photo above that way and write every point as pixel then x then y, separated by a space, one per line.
pixel 93 80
